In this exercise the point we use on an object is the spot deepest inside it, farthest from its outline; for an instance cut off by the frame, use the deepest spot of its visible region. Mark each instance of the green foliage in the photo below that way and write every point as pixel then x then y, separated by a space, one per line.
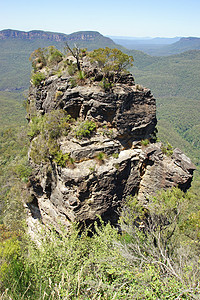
pixel 39 151
pixel 52 125
pixel 54 55
pixel 42 57
pixel 100 157
pixel 145 142
pixel 167 149
pixel 191 226
pixel 105 84
pixel 14 173
pixel 47 129
pixel 72 69
pixel 81 75
pixel 111 59
pixel 38 59
pixel 73 82
pixel 85 129
pixel 37 78
pixel 115 155
pixel 58 95
pixel 62 159
pixel 23 170
pixel 35 126
pixel 157 239
pixel 56 124
pixel 77 266
pixel 73 265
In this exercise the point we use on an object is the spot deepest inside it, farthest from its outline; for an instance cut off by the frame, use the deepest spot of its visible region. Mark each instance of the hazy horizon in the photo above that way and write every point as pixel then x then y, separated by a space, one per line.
pixel 106 35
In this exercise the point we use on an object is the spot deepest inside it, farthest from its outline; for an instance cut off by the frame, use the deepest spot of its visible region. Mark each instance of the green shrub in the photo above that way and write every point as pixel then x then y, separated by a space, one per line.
pixel 167 149
pixel 23 170
pixel 62 159
pixel 35 126
pixel 73 82
pixel 39 150
pixel 48 129
pixel 77 266
pixel 115 155
pixel 56 124
pixel 100 157
pixel 111 59
pixel 81 75
pixel 145 142
pixel 85 129
pixel 156 239
pixel 105 84
pixel 37 78
pixel 72 69
pixel 59 73
pixel 38 59
pixel 54 55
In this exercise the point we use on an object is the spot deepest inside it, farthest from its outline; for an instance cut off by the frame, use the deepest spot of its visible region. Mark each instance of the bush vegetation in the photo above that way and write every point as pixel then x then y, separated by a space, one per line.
pixel 46 130
pixel 37 78
pixel 100 157
pixel 45 57
pixel 85 129
pixel 145 142
pixel 111 59
pixel 167 149
pixel 154 257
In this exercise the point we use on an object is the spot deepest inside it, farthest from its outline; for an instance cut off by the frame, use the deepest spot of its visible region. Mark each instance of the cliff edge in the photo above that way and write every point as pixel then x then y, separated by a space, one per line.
pixel 93 142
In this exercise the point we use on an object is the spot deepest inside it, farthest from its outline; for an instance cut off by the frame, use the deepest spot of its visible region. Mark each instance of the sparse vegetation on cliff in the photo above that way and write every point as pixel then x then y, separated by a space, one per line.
pixel 85 129
pixel 37 78
pixel 167 149
pixel 111 59
pixel 46 130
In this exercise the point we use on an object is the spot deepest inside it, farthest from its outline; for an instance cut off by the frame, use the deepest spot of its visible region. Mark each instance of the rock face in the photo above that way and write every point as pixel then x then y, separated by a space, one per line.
pixel 130 112
pixel 110 164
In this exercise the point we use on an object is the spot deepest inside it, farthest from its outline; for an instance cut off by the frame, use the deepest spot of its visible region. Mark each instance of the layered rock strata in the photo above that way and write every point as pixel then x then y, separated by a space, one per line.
pixel 94 186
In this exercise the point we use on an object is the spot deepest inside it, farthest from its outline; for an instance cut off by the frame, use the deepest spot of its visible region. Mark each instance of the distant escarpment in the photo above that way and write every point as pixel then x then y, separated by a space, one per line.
pixel 93 133
pixel 85 36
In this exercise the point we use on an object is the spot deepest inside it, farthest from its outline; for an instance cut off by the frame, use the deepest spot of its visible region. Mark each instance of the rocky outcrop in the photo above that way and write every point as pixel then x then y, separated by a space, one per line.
pixel 128 111
pixel 162 172
pixel 110 164
pixel 94 188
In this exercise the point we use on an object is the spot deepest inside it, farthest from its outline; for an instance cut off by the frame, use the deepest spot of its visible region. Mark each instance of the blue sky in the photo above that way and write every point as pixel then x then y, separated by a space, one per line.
pixel 120 18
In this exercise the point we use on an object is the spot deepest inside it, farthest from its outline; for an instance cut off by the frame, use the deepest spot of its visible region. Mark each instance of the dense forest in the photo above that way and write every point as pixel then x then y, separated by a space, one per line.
pixel 155 254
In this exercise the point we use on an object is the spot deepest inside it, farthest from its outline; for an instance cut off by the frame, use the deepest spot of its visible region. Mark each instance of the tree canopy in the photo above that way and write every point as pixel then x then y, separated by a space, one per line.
pixel 111 59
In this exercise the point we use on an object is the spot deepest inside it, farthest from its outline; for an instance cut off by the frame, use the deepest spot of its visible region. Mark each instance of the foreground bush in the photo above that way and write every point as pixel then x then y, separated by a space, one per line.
pixel 151 259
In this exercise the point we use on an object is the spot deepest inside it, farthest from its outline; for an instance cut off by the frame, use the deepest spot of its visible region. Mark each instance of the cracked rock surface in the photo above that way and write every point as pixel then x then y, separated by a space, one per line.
pixel 93 186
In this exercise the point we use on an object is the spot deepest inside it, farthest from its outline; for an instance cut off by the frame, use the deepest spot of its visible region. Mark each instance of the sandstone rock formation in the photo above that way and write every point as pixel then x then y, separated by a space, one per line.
pixel 110 163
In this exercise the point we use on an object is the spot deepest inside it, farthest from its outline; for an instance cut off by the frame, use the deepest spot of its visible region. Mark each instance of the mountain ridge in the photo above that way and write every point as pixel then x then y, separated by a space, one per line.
pixel 54 36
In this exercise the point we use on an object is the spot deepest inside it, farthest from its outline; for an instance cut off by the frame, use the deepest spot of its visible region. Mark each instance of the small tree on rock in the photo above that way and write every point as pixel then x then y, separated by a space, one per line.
pixel 111 59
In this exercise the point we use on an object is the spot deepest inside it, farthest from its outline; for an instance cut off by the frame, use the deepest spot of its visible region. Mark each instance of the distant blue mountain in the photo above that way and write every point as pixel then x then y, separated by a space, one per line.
pixel 124 41
pixel 160 46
